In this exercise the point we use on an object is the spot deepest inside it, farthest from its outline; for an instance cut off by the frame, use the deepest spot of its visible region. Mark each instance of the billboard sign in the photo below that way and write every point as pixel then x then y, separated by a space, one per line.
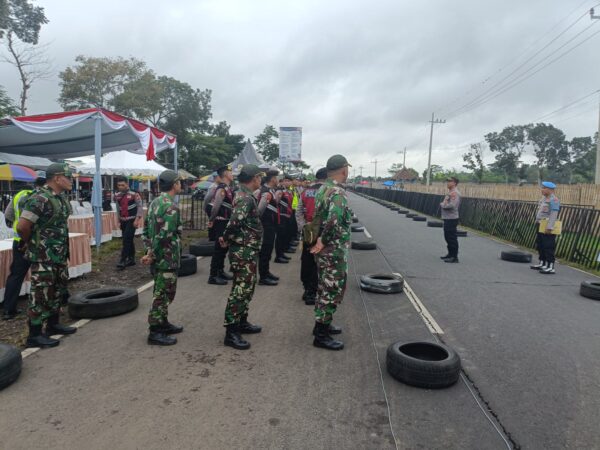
pixel 290 144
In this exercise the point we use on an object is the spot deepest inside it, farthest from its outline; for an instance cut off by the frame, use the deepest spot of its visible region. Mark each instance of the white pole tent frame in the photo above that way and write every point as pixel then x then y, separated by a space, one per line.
pixel 86 132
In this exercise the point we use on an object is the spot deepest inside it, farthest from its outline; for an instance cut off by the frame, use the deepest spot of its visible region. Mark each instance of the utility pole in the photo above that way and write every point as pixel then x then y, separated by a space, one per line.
pixel 375 177
pixel 432 121
pixel 597 178
pixel 404 160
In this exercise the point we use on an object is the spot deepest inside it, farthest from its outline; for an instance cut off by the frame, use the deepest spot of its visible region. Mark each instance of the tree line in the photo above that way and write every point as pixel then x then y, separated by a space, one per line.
pixel 126 86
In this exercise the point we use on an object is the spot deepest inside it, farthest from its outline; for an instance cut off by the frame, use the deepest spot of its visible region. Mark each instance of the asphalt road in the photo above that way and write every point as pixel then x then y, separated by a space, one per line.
pixel 529 342
pixel 530 348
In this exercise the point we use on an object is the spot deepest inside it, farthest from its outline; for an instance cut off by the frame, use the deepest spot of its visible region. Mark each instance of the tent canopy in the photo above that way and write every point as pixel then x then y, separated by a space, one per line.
pixel 94 131
pixel 122 163
pixel 248 156
pixel 71 134
pixel 30 161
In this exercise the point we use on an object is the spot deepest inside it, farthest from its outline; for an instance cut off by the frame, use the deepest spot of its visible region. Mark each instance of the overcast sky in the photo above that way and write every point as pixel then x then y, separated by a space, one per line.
pixel 361 77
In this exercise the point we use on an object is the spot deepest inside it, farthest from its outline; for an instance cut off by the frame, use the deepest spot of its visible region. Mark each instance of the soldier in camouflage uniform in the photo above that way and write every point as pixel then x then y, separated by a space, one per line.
pixel 162 243
pixel 45 241
pixel 243 236
pixel 331 251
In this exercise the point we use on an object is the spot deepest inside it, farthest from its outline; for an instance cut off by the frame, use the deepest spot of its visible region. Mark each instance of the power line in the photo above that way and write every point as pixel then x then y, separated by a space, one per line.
pixel 520 79
pixel 565 107
pixel 502 87
pixel 514 61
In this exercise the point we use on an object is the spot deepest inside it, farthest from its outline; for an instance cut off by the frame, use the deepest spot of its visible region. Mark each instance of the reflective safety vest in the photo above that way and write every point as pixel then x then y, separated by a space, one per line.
pixel 20 196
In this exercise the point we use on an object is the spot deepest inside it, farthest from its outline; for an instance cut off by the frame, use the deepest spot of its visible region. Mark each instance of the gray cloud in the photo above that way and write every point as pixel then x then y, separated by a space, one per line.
pixel 360 77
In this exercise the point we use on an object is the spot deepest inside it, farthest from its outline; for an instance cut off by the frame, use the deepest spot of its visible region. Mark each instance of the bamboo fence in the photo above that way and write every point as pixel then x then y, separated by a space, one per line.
pixel 576 194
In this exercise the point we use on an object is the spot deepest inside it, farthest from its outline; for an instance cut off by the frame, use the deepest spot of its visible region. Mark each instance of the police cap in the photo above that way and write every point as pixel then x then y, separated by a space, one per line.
pixel 321 173
pixel 167 178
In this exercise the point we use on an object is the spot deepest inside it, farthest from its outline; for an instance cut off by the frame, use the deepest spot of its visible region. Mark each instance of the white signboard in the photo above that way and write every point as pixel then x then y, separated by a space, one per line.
pixel 290 143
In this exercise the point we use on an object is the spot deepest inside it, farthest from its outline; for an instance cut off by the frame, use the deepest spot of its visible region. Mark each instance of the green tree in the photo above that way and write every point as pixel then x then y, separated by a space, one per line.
pixel 474 161
pixel 7 106
pixel 395 168
pixel 436 172
pixel 266 144
pixel 549 147
pixel 95 82
pixel 582 152
pixel 23 19
pixel 508 145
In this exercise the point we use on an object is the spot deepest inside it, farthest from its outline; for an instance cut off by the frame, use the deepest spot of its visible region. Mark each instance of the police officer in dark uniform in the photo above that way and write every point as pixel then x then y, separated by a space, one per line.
pixel 220 212
pixel 283 229
pixel 269 215
pixel 304 214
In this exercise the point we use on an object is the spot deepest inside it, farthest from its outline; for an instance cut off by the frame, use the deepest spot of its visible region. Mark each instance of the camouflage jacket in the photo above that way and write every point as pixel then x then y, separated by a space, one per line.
pixel 162 233
pixel 50 234
pixel 331 206
pixel 244 227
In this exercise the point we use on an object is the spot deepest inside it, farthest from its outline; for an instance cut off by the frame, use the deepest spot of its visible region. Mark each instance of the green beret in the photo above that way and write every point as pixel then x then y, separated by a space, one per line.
pixel 337 162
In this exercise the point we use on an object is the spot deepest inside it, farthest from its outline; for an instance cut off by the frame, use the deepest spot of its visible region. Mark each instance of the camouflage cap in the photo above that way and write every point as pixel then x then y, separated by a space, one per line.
pixel 58 169
pixel 251 170
pixel 337 162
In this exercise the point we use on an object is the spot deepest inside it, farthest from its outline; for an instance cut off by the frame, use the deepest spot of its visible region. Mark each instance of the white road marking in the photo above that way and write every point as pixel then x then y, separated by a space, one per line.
pixel 146 286
pixel 29 351
pixel 81 323
pixel 367 234
pixel 430 322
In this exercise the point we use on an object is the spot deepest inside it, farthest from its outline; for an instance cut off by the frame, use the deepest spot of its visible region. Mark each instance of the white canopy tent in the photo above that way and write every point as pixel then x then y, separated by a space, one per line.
pixel 123 163
pixel 94 131
pixel 248 156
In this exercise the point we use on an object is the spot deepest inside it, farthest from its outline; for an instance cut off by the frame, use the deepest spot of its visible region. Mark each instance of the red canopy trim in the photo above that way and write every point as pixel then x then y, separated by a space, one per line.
pixel 149 137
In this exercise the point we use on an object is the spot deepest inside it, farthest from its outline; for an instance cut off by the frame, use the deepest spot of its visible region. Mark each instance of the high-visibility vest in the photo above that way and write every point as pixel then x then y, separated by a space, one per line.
pixel 17 210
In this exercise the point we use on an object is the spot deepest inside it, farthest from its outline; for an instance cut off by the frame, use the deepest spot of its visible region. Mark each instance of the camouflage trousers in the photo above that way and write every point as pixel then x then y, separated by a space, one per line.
pixel 244 262
pixel 48 286
pixel 332 265
pixel 165 287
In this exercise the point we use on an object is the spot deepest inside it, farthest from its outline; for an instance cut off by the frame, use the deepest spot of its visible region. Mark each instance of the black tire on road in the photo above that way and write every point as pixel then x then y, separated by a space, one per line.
pixel 382 283
pixel 103 302
pixel 365 245
pixel 189 265
pixel 355 219
pixel 10 365
pixel 356 227
pixel 419 219
pixel 403 211
pixel 423 364
pixel 411 215
pixel 590 289
pixel 394 208
pixel 435 224
pixel 202 247
pixel 461 233
pixel 515 256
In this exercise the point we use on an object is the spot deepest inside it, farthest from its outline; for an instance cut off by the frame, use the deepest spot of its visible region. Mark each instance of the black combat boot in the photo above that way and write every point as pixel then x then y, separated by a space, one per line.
pixel 266 281
pixel 290 250
pixel 169 328
pixel 323 339
pixel 158 337
pixel 37 339
pixel 54 327
pixel 225 275
pixel 246 327
pixel 334 330
pixel 121 264
pixel 217 280
pixel 234 339
pixel 272 277
pixel 281 260
pixel 129 262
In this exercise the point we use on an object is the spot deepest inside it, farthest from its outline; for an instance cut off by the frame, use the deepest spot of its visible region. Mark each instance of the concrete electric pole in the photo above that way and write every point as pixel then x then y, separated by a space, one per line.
pixel 597 177
pixel 375 177
pixel 432 121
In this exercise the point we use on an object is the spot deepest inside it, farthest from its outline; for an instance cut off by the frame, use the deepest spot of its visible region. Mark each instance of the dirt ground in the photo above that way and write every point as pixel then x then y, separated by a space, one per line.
pixel 104 273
